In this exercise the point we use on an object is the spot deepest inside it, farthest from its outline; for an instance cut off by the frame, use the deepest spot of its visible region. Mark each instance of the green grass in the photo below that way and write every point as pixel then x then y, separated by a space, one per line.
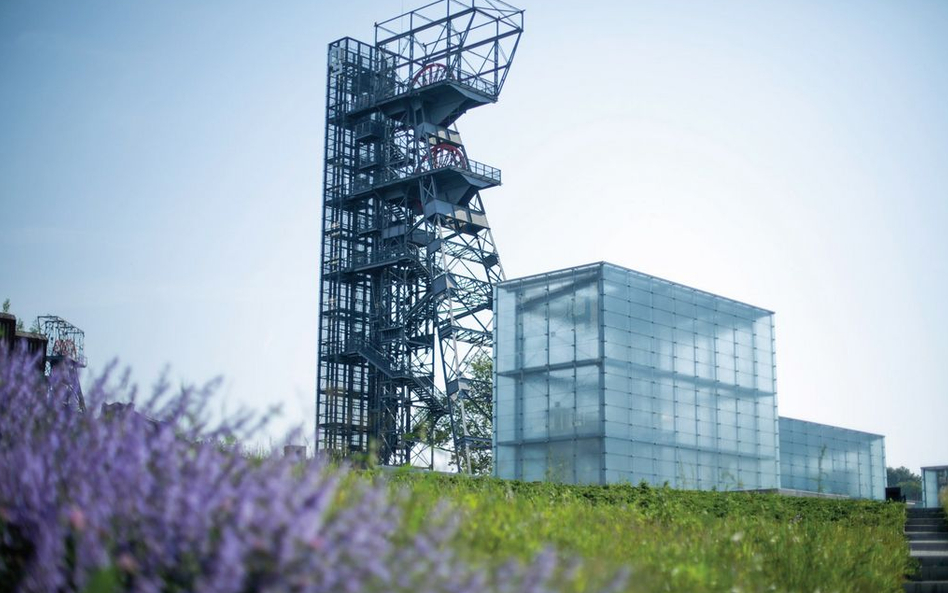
pixel 673 540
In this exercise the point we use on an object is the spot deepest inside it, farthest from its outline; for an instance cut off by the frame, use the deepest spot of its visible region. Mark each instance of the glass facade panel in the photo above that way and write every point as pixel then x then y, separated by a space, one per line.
pixel 934 479
pixel 549 389
pixel 833 460
pixel 608 375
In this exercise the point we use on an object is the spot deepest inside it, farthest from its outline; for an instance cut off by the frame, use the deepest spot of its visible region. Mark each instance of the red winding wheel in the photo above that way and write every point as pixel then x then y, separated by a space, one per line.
pixel 429 74
pixel 64 348
pixel 447 155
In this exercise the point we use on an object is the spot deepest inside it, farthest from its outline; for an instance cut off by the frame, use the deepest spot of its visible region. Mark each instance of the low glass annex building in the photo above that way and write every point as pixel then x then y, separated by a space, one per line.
pixel 605 375
pixel 833 460
pixel 934 480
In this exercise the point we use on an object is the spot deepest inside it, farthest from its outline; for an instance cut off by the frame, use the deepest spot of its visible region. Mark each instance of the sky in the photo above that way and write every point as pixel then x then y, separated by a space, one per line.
pixel 161 169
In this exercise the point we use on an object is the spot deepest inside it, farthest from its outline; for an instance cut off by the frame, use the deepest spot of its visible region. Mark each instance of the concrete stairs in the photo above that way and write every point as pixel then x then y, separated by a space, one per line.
pixel 927 533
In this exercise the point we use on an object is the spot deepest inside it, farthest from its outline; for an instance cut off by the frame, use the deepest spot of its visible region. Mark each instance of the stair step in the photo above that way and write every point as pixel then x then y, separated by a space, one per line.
pixel 927 533
pixel 939 527
pixel 926 586
pixel 926 511
pixel 931 535
pixel 931 573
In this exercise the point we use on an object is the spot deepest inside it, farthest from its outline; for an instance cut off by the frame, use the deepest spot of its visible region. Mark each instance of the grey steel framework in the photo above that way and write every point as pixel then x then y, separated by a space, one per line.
pixel 65 348
pixel 408 260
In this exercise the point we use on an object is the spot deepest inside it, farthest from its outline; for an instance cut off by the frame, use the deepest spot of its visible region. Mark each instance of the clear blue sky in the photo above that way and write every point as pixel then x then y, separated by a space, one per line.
pixel 160 171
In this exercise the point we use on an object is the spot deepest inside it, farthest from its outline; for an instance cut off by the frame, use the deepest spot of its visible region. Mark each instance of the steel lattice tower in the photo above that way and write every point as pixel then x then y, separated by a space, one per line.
pixel 408 260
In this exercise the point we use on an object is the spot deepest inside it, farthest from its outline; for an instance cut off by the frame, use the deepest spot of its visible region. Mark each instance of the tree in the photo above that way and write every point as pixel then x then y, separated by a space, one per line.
pixel 480 418
pixel 6 309
pixel 911 484
pixel 479 413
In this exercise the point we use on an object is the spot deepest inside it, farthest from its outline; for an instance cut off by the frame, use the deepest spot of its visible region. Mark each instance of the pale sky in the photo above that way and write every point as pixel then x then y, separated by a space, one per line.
pixel 161 167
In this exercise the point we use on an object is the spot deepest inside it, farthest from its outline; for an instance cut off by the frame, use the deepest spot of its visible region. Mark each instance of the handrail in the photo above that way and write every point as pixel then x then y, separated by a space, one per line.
pixel 372 257
pixel 397 88
pixel 369 128
pixel 482 170
pixel 387 176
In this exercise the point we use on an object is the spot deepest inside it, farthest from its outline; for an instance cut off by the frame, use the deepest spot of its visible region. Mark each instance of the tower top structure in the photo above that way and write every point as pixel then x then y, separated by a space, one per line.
pixel 472 42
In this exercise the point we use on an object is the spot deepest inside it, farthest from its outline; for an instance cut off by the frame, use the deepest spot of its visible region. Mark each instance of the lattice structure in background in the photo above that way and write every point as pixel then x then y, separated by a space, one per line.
pixel 408 260
pixel 65 347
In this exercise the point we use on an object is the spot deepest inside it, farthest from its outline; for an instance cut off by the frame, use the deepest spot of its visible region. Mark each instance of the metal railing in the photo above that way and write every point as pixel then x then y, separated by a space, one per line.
pixel 387 176
pixel 486 171
pixel 398 88
pixel 389 255
pixel 369 128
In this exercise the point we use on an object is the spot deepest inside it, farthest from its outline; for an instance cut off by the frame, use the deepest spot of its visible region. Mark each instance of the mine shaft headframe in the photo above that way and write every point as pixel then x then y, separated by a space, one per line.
pixel 65 340
pixel 471 41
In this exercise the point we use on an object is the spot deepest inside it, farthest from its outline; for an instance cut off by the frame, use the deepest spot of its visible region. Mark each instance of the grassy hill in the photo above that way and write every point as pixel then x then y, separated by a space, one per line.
pixel 671 540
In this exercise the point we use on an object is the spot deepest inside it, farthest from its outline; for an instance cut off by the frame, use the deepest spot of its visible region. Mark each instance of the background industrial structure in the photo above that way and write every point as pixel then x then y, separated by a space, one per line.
pixel 59 348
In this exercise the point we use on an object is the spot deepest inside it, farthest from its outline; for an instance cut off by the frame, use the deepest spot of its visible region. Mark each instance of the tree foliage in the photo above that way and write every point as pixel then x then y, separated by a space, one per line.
pixel 479 411
pixel 910 483
pixel 481 416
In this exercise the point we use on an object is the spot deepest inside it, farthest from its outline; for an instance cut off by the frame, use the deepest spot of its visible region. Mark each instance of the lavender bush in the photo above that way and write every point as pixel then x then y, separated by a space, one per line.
pixel 144 498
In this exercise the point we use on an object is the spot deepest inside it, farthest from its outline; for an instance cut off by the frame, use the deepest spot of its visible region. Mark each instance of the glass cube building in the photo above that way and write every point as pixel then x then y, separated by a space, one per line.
pixel 603 375
pixel 934 479
pixel 832 460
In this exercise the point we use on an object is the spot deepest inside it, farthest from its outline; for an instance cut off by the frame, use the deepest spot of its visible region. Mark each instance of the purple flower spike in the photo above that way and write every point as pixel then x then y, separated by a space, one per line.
pixel 144 493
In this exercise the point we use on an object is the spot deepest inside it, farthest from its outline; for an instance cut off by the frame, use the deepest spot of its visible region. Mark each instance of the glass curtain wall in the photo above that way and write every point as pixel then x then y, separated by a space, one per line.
pixel 608 375
pixel 548 374
pixel 821 458
pixel 934 479
pixel 690 395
